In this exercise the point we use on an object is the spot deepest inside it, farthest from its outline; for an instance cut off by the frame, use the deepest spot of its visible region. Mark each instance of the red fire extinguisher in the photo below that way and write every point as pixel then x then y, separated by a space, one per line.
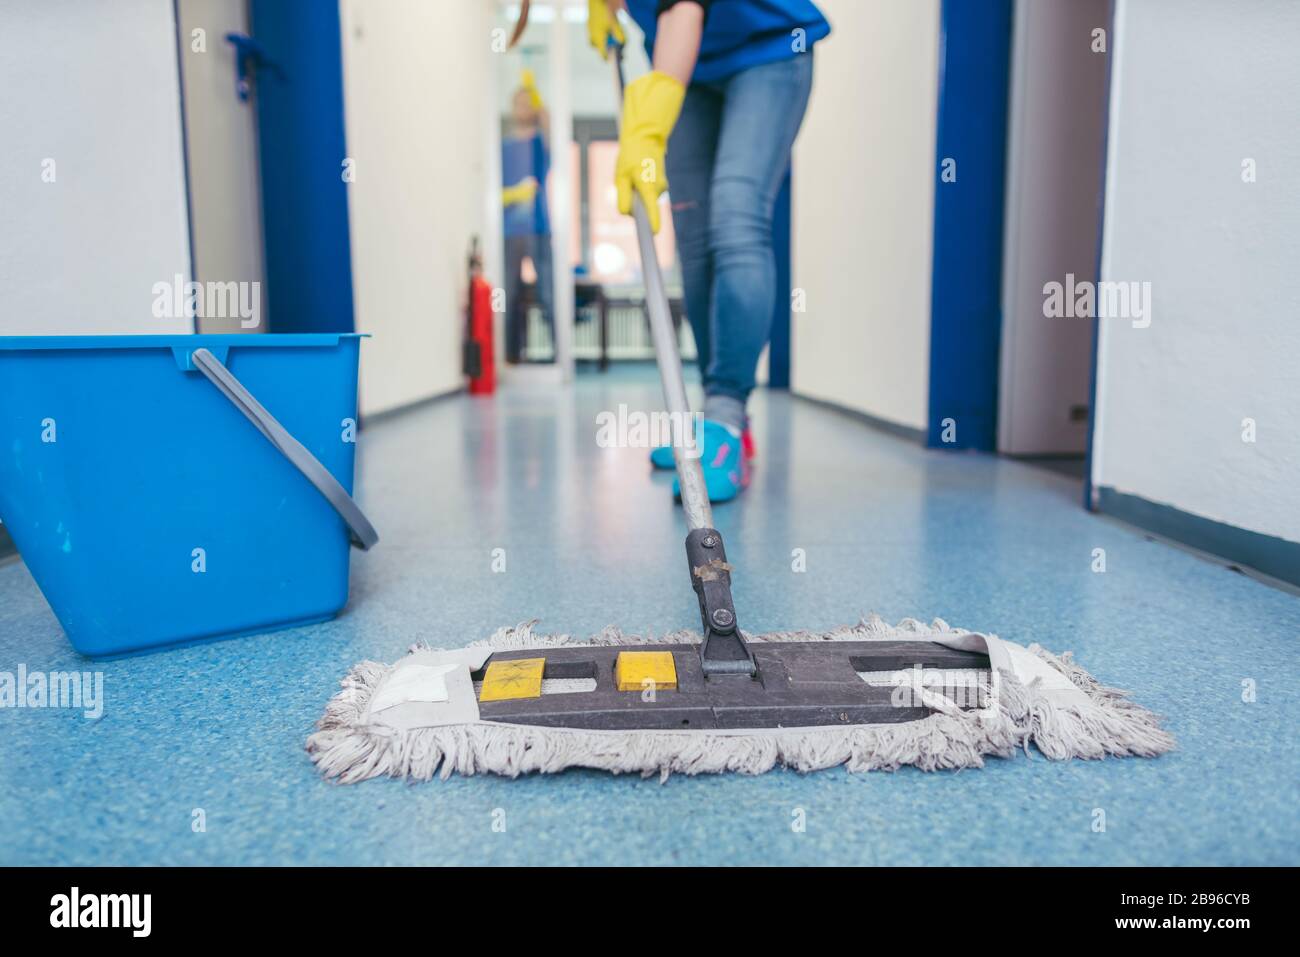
pixel 478 358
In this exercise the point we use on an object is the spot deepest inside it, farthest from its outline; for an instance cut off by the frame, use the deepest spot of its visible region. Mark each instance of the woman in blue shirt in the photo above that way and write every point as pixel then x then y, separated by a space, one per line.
pixel 716 118
pixel 525 163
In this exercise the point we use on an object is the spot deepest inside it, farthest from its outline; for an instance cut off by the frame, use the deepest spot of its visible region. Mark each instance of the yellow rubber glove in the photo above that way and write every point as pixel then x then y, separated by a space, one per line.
pixel 601 25
pixel 528 81
pixel 524 191
pixel 651 105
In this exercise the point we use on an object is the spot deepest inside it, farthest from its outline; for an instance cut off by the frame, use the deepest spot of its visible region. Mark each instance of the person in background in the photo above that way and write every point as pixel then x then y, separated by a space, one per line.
pixel 525 162
pixel 724 102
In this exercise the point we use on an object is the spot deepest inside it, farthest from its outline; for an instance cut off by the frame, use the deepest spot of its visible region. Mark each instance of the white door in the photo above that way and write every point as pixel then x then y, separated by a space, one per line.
pixel 1054 168
pixel 221 143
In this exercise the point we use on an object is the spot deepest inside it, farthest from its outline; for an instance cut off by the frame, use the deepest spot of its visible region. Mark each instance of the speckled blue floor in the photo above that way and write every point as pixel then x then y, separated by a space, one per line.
pixel 591 539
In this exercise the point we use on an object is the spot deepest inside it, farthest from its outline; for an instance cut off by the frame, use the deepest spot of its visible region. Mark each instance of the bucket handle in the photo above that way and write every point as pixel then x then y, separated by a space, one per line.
pixel 363 533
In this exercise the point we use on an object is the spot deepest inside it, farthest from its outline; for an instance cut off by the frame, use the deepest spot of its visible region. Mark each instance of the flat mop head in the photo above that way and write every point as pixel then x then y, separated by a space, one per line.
pixel 865 697
pixel 869 697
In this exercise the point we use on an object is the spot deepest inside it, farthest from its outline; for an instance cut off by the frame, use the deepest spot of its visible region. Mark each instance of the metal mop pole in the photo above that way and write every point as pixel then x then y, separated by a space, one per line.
pixel 690 476
pixel 724 651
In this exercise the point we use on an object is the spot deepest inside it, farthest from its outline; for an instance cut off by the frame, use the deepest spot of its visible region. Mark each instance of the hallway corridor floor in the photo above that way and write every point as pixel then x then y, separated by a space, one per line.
pixel 215 733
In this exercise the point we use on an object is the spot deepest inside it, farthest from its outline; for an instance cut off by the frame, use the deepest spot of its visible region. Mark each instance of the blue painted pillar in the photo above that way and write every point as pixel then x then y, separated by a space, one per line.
pixel 966 318
pixel 778 356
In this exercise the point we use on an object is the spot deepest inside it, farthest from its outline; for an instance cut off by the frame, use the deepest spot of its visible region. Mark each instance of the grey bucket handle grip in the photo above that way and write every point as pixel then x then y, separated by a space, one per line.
pixel 363 533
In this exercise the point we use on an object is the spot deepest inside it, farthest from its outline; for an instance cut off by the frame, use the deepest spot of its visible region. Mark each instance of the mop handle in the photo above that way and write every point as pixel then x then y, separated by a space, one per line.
pixel 690 476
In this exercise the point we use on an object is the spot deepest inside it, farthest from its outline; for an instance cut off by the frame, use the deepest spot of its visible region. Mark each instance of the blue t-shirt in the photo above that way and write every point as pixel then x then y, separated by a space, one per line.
pixel 739 34
pixel 522 157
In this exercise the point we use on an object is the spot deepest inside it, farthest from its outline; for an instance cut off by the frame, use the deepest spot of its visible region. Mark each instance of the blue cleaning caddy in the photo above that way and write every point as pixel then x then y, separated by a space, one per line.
pixel 172 489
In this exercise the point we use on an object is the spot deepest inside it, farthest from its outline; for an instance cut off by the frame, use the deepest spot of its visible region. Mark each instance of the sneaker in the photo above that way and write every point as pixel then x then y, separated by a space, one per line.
pixel 726 471
pixel 662 457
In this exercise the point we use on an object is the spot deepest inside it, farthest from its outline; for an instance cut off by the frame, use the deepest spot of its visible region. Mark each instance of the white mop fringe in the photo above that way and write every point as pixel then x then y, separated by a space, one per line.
pixel 1013 717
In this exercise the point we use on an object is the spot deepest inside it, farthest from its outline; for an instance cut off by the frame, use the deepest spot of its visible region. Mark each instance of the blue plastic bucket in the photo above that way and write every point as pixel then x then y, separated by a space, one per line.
pixel 154 487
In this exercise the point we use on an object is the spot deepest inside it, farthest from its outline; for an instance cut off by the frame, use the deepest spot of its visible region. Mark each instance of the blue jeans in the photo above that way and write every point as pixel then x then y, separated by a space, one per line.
pixel 726 160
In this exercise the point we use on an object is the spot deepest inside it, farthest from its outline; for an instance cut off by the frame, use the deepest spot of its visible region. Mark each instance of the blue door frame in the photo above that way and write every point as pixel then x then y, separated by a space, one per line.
pixel 299 97
pixel 966 283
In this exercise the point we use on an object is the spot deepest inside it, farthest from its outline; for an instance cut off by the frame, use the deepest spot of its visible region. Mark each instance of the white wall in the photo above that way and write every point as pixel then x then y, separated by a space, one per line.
pixel 1198 86
pixel 863 211
pixel 95 88
pixel 1055 153
pixel 418 91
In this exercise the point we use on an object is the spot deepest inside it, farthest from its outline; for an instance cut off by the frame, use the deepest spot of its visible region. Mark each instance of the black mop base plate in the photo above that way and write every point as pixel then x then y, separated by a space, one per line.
pixel 799 685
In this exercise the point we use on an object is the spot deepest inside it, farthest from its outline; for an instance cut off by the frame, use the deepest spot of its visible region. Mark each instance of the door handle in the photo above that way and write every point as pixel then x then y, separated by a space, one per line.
pixel 250 56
